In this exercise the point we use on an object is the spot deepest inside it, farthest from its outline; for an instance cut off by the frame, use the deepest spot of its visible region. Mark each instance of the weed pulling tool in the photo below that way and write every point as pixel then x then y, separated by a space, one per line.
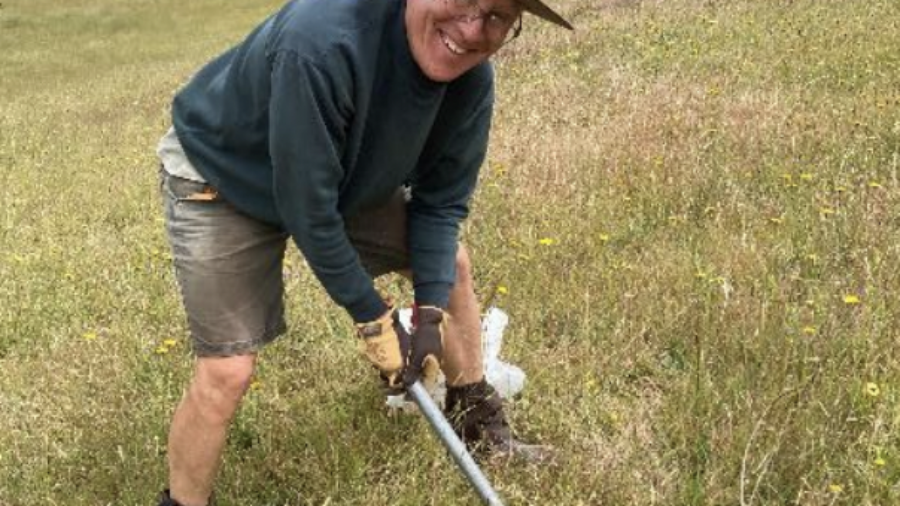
pixel 453 444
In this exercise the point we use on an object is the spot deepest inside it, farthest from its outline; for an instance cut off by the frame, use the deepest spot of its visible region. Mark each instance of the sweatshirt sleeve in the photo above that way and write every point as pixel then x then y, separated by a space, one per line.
pixel 308 111
pixel 440 201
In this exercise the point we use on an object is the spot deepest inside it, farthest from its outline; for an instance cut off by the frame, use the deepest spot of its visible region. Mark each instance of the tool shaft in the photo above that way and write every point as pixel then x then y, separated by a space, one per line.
pixel 453 444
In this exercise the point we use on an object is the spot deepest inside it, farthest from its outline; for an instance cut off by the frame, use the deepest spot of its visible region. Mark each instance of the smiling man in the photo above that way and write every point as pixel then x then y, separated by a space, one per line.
pixel 355 128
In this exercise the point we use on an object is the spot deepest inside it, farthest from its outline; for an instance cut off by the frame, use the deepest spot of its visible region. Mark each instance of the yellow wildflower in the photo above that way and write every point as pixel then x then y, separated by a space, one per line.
pixel 546 241
pixel 169 342
pixel 90 336
pixel 162 350
pixel 851 300
pixel 880 462
pixel 809 330
pixel 835 488
pixel 872 389
pixel 604 237
pixel 502 290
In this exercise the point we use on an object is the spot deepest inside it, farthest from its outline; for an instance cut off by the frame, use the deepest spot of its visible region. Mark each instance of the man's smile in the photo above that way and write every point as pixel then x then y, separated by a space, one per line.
pixel 452 46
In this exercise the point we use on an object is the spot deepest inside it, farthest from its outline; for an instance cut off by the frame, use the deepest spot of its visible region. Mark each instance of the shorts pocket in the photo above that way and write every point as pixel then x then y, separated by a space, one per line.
pixel 185 190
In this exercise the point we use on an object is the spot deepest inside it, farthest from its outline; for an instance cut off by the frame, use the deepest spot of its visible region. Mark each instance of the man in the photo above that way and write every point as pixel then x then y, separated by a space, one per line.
pixel 356 129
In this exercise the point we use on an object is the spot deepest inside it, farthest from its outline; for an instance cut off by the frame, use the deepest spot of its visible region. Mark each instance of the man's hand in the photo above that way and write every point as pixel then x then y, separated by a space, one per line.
pixel 426 345
pixel 385 343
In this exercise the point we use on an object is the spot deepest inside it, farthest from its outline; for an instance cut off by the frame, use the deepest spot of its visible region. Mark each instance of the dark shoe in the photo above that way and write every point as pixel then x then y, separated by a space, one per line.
pixel 476 413
pixel 166 500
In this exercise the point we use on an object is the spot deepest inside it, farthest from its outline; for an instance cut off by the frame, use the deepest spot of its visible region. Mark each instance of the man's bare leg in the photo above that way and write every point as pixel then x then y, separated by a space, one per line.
pixel 475 408
pixel 463 361
pixel 200 425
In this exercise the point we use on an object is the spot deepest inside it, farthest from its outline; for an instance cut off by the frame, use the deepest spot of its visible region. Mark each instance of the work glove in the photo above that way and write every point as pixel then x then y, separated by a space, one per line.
pixel 426 346
pixel 385 343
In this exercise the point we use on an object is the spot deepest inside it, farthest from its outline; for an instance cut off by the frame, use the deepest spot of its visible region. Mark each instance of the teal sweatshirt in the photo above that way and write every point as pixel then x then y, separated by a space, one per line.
pixel 320 113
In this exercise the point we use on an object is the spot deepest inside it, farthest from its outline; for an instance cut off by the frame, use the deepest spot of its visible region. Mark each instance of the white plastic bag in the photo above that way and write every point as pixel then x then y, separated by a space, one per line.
pixel 505 377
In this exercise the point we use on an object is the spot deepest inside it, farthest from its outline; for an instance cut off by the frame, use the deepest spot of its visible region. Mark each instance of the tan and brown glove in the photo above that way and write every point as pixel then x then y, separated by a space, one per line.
pixel 426 345
pixel 385 342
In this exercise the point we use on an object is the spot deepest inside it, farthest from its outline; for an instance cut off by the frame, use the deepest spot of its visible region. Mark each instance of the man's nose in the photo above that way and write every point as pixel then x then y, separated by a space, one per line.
pixel 473 27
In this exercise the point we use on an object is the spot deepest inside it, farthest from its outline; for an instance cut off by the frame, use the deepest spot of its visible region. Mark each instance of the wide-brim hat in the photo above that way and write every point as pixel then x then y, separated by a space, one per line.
pixel 540 9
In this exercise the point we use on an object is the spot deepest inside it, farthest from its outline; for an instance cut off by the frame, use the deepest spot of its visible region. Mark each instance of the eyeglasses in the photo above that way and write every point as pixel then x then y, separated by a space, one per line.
pixel 499 28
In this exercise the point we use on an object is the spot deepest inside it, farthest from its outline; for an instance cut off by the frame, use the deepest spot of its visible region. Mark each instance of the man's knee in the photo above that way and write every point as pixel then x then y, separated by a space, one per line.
pixel 219 384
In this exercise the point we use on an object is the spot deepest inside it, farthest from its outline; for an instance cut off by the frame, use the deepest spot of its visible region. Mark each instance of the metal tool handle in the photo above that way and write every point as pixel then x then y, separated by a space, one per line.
pixel 453 444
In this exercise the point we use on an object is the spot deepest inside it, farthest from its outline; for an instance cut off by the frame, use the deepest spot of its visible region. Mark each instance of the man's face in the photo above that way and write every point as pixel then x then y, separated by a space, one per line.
pixel 446 45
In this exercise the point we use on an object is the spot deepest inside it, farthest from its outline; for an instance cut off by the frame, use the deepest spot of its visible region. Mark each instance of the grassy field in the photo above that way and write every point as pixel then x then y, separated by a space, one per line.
pixel 690 211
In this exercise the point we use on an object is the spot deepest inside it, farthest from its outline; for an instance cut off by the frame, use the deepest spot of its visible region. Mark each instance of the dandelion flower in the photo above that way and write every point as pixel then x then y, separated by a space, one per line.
pixel 90 336
pixel 604 237
pixel 835 488
pixel 806 176
pixel 880 462
pixel 851 300
pixel 546 241
pixel 502 290
pixel 162 349
pixel 872 389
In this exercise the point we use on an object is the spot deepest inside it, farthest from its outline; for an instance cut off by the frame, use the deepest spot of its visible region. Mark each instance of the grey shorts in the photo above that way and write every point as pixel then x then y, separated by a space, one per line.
pixel 229 266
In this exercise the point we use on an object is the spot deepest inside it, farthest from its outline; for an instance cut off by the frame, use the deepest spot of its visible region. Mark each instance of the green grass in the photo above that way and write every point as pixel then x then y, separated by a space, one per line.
pixel 717 178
